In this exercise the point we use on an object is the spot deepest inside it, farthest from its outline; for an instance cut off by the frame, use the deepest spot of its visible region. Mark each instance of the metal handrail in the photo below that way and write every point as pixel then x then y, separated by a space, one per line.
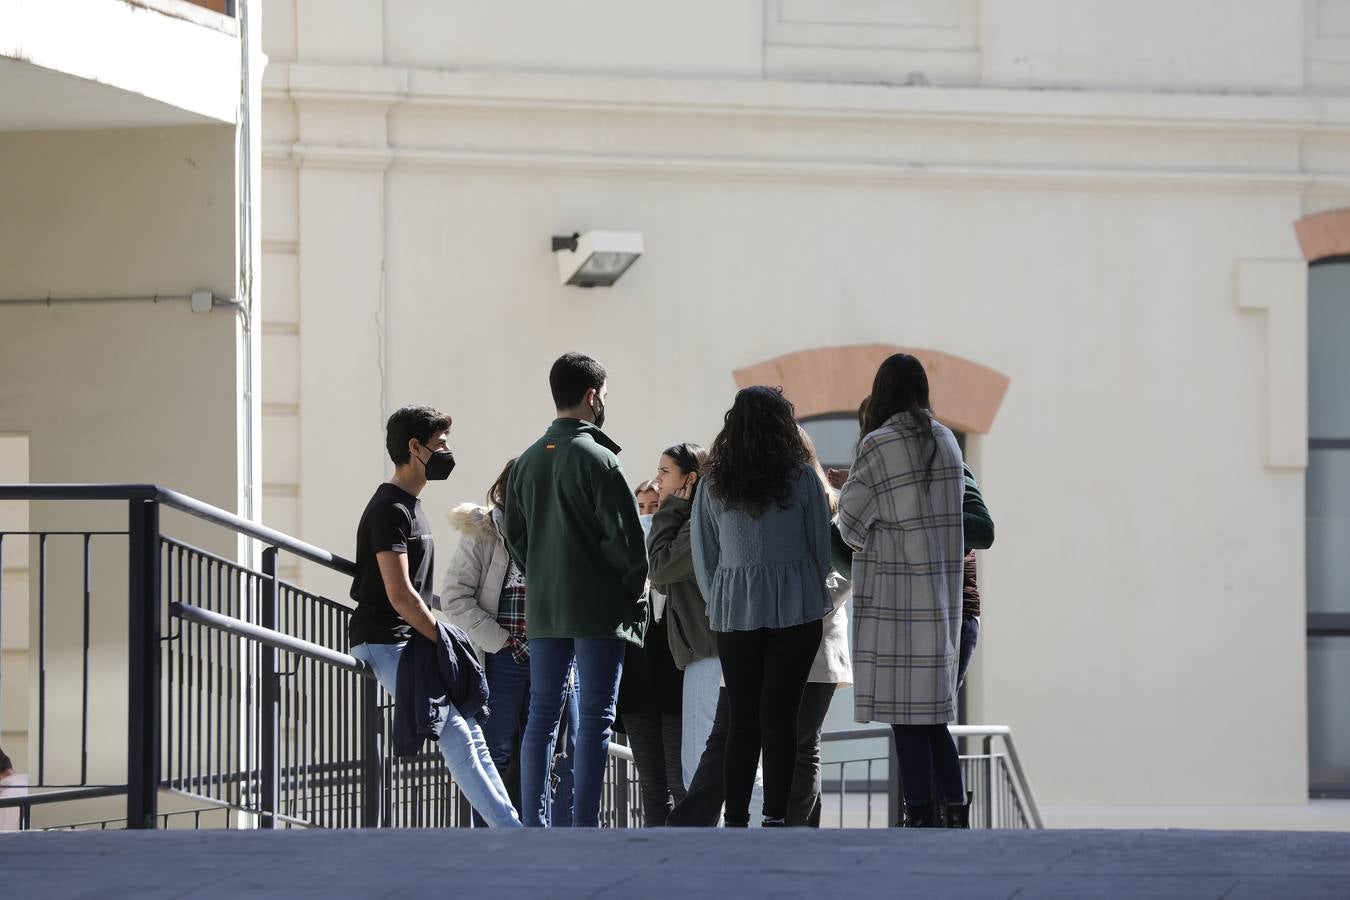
pixel 185 504
pixel 279 641
pixel 957 731
pixel 269 637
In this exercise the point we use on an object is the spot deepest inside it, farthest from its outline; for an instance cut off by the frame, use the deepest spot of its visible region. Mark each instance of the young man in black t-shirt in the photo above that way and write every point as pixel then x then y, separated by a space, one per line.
pixel 395 559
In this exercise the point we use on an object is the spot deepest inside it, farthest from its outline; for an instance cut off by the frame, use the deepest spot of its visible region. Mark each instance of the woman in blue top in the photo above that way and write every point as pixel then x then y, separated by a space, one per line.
pixel 761 548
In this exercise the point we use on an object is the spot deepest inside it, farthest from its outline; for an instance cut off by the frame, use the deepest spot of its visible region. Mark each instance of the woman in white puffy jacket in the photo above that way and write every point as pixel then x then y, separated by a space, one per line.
pixel 484 594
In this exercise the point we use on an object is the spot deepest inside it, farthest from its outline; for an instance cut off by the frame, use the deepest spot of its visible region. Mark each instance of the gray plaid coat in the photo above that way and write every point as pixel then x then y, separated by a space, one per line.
pixel 907 577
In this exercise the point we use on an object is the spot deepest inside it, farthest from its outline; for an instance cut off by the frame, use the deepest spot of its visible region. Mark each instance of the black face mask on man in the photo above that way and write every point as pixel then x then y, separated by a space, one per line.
pixel 438 465
pixel 598 413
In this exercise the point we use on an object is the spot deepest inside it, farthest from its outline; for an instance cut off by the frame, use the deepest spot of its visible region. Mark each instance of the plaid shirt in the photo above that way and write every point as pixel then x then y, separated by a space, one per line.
pixel 511 606
pixel 970 591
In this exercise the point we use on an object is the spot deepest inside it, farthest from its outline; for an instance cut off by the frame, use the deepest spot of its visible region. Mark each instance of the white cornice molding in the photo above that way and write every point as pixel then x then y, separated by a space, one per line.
pixel 1012 176
pixel 521 91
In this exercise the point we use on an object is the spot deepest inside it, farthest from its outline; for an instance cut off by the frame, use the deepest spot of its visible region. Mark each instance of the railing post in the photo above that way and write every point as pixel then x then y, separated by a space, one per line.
pixel 621 811
pixel 372 756
pixel 270 700
pixel 989 781
pixel 143 634
pixel 895 791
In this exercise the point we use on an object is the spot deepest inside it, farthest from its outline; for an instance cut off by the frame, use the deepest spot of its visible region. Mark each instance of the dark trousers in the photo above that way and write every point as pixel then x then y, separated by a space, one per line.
pixel 654 739
pixel 765 671
pixel 927 754
pixel 702 803
pixel 804 799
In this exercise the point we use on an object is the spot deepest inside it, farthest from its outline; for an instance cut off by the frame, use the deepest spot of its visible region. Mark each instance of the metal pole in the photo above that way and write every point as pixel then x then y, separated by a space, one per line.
pixel 989 781
pixel 143 602
pixel 372 757
pixel 270 699
pixel 894 789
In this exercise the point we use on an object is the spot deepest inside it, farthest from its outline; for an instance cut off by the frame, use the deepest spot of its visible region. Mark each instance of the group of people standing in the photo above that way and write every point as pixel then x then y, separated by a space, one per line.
pixel 705 609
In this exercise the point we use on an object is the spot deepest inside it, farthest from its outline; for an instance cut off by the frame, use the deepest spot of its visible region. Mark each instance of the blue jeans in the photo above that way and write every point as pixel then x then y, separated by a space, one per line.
pixel 702 687
pixel 970 634
pixel 509 701
pixel 599 663
pixel 462 745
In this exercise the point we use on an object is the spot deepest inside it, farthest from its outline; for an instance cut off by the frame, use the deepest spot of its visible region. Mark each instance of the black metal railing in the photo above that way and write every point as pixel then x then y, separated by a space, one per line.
pixel 235 698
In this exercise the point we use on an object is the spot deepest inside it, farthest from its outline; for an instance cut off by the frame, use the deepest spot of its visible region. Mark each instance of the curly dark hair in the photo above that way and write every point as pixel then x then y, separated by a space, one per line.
pixel 755 458
pixel 900 386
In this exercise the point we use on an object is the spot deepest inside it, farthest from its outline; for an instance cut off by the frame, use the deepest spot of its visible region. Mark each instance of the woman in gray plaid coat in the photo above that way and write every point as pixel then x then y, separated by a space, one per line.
pixel 901 508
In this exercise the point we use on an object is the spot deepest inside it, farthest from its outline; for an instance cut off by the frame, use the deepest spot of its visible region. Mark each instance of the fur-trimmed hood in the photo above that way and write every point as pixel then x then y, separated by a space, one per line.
pixel 476 521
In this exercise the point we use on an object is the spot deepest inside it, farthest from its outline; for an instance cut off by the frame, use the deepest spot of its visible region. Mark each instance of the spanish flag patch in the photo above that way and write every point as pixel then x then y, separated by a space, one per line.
pixel 550 446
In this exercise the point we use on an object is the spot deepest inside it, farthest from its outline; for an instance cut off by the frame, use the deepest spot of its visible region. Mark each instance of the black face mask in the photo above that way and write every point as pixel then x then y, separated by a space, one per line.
pixel 439 465
pixel 599 413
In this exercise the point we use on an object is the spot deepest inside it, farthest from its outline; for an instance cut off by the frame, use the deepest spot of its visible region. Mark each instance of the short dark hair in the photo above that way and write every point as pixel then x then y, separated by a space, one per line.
pixel 421 422
pixel 5 764
pixel 572 376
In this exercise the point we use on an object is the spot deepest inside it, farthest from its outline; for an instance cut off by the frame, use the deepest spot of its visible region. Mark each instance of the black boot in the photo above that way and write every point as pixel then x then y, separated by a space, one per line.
pixel 773 823
pixel 920 815
pixel 958 814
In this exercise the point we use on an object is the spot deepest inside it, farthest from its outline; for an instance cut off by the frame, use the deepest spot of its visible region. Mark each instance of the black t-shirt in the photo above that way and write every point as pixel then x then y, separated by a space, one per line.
pixel 393 520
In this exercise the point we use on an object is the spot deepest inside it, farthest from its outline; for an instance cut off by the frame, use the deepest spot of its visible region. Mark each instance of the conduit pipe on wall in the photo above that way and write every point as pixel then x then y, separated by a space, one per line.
pixel 148 298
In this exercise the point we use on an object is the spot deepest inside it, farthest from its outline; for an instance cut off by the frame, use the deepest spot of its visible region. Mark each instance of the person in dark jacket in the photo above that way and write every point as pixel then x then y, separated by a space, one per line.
pixel 979 535
pixel 692 645
pixel 429 672
pixel 572 526
pixel 649 705
pixel 395 560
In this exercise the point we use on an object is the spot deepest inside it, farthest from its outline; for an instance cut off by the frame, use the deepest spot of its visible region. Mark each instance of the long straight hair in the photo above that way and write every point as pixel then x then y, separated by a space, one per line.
pixel 496 495
pixel 901 386
pixel 688 458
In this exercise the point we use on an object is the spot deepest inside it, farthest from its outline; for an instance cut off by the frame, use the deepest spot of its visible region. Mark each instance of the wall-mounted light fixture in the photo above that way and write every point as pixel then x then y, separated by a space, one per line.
pixel 596 258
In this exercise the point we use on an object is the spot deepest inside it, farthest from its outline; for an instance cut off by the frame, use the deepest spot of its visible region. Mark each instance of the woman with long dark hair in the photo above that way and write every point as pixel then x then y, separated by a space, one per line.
pixel 671 563
pixel 901 509
pixel 761 549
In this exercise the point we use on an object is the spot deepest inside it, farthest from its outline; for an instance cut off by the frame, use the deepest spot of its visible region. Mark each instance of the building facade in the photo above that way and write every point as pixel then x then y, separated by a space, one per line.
pixel 1082 213
pixel 130 181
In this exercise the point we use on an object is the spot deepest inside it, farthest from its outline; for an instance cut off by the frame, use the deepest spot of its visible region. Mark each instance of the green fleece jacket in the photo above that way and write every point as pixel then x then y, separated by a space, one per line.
pixel 672 563
pixel 571 523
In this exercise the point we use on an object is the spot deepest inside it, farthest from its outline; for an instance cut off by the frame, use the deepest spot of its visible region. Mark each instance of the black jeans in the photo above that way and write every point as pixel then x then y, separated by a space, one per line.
pixel 765 672
pixel 928 753
pixel 654 739
pixel 804 799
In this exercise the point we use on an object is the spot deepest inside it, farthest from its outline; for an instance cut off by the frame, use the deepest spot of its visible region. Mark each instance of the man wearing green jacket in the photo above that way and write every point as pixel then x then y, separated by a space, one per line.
pixel 572 526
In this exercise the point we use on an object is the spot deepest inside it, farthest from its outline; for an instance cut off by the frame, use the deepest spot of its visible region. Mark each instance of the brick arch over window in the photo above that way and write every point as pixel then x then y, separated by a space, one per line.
pixel 1324 234
pixel 965 395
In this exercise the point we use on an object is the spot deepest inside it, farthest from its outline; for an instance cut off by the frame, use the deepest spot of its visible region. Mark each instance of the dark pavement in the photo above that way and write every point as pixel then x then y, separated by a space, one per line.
pixel 676 863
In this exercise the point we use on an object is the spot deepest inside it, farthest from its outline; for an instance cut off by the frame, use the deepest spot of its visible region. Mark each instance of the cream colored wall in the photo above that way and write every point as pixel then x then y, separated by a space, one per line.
pixel 115 391
pixel 1085 243
pixel 14 582
pixel 118 212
